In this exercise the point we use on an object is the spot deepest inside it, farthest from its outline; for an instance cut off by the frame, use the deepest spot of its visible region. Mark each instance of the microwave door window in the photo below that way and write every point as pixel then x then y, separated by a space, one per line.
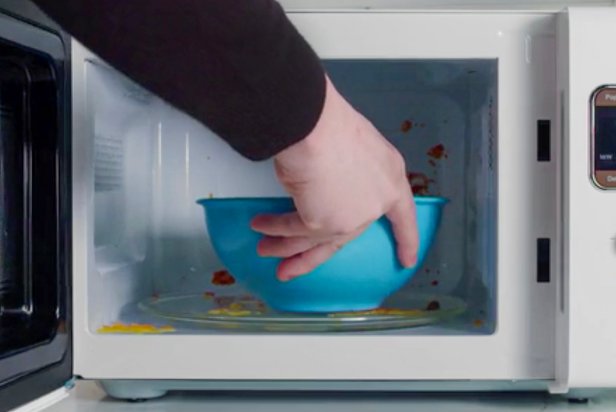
pixel 14 294
pixel 29 280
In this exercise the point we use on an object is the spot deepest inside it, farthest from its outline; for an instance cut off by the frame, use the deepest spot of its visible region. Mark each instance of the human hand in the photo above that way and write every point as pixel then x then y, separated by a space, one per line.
pixel 343 176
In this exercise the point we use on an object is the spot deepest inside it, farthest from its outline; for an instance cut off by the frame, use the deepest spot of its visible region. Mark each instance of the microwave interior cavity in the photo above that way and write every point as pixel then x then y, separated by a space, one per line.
pixel 150 163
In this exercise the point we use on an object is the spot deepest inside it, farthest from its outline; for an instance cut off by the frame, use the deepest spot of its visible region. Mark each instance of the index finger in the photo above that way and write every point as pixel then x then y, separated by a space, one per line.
pixel 283 225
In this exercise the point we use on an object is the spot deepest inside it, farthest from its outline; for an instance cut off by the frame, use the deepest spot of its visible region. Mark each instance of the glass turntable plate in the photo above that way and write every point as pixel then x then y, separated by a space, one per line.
pixel 246 313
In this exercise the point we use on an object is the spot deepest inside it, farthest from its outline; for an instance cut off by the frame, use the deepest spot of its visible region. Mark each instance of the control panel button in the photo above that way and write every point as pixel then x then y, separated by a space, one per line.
pixel 606 178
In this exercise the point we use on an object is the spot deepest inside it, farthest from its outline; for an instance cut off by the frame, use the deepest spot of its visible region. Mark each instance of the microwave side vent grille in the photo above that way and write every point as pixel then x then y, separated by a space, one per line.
pixel 108 163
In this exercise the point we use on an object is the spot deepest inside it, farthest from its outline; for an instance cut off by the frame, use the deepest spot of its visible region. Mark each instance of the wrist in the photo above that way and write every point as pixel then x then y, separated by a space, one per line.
pixel 333 118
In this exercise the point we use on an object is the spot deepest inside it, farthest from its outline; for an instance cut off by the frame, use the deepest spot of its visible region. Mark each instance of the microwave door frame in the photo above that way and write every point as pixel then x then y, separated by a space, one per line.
pixel 23 26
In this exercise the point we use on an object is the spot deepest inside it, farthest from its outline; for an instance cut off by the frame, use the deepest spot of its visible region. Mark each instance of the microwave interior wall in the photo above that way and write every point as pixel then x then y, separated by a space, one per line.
pixel 151 163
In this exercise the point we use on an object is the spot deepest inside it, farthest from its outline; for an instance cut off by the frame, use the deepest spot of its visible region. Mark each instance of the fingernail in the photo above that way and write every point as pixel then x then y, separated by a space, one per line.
pixel 410 261
pixel 285 277
pixel 254 223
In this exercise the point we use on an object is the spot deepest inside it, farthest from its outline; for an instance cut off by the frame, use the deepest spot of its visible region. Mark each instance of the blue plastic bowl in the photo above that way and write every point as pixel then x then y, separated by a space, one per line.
pixel 360 276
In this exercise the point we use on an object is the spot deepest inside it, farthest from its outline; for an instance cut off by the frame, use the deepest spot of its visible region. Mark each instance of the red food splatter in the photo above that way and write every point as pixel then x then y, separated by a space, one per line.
pixel 420 183
pixel 478 323
pixel 406 126
pixel 437 152
pixel 434 305
pixel 434 283
pixel 222 278
pixel 155 295
pixel 432 163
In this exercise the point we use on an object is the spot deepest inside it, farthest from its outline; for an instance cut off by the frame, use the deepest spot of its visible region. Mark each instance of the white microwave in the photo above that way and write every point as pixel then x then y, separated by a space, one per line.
pixel 506 111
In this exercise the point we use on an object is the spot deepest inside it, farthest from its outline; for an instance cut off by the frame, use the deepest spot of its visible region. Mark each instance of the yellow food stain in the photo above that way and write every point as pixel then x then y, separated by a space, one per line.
pixel 381 311
pixel 235 309
pixel 136 328
pixel 478 323
pixel 229 312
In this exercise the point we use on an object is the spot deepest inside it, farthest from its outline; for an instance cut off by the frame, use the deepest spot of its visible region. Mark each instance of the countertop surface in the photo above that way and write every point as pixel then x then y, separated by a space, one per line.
pixel 86 396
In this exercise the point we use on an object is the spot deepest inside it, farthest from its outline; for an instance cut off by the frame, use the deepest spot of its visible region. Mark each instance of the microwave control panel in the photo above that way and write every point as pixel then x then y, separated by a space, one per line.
pixel 603 137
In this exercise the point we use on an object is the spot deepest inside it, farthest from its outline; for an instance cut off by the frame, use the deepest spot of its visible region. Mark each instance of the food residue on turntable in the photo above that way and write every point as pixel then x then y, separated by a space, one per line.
pixel 433 305
pixel 221 301
pixel 136 328
pixel 379 312
pixel 434 282
pixel 208 294
pixel 234 309
pixel 234 306
pixel 222 278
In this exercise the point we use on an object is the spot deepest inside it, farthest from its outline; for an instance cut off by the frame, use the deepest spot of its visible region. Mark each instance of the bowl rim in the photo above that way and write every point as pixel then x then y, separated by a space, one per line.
pixel 426 200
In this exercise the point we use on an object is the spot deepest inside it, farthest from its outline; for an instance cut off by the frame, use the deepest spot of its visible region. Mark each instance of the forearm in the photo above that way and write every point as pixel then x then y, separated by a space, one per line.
pixel 238 66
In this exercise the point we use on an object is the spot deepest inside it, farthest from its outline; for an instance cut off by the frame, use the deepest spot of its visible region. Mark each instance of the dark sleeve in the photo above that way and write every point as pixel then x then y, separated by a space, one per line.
pixel 238 66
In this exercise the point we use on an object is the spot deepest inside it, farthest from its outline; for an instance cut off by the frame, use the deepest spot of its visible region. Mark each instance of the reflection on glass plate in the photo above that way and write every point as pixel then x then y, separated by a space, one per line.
pixel 246 313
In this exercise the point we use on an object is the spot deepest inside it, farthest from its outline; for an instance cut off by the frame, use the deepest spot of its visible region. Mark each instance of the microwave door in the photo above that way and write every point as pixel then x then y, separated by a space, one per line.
pixel 35 338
